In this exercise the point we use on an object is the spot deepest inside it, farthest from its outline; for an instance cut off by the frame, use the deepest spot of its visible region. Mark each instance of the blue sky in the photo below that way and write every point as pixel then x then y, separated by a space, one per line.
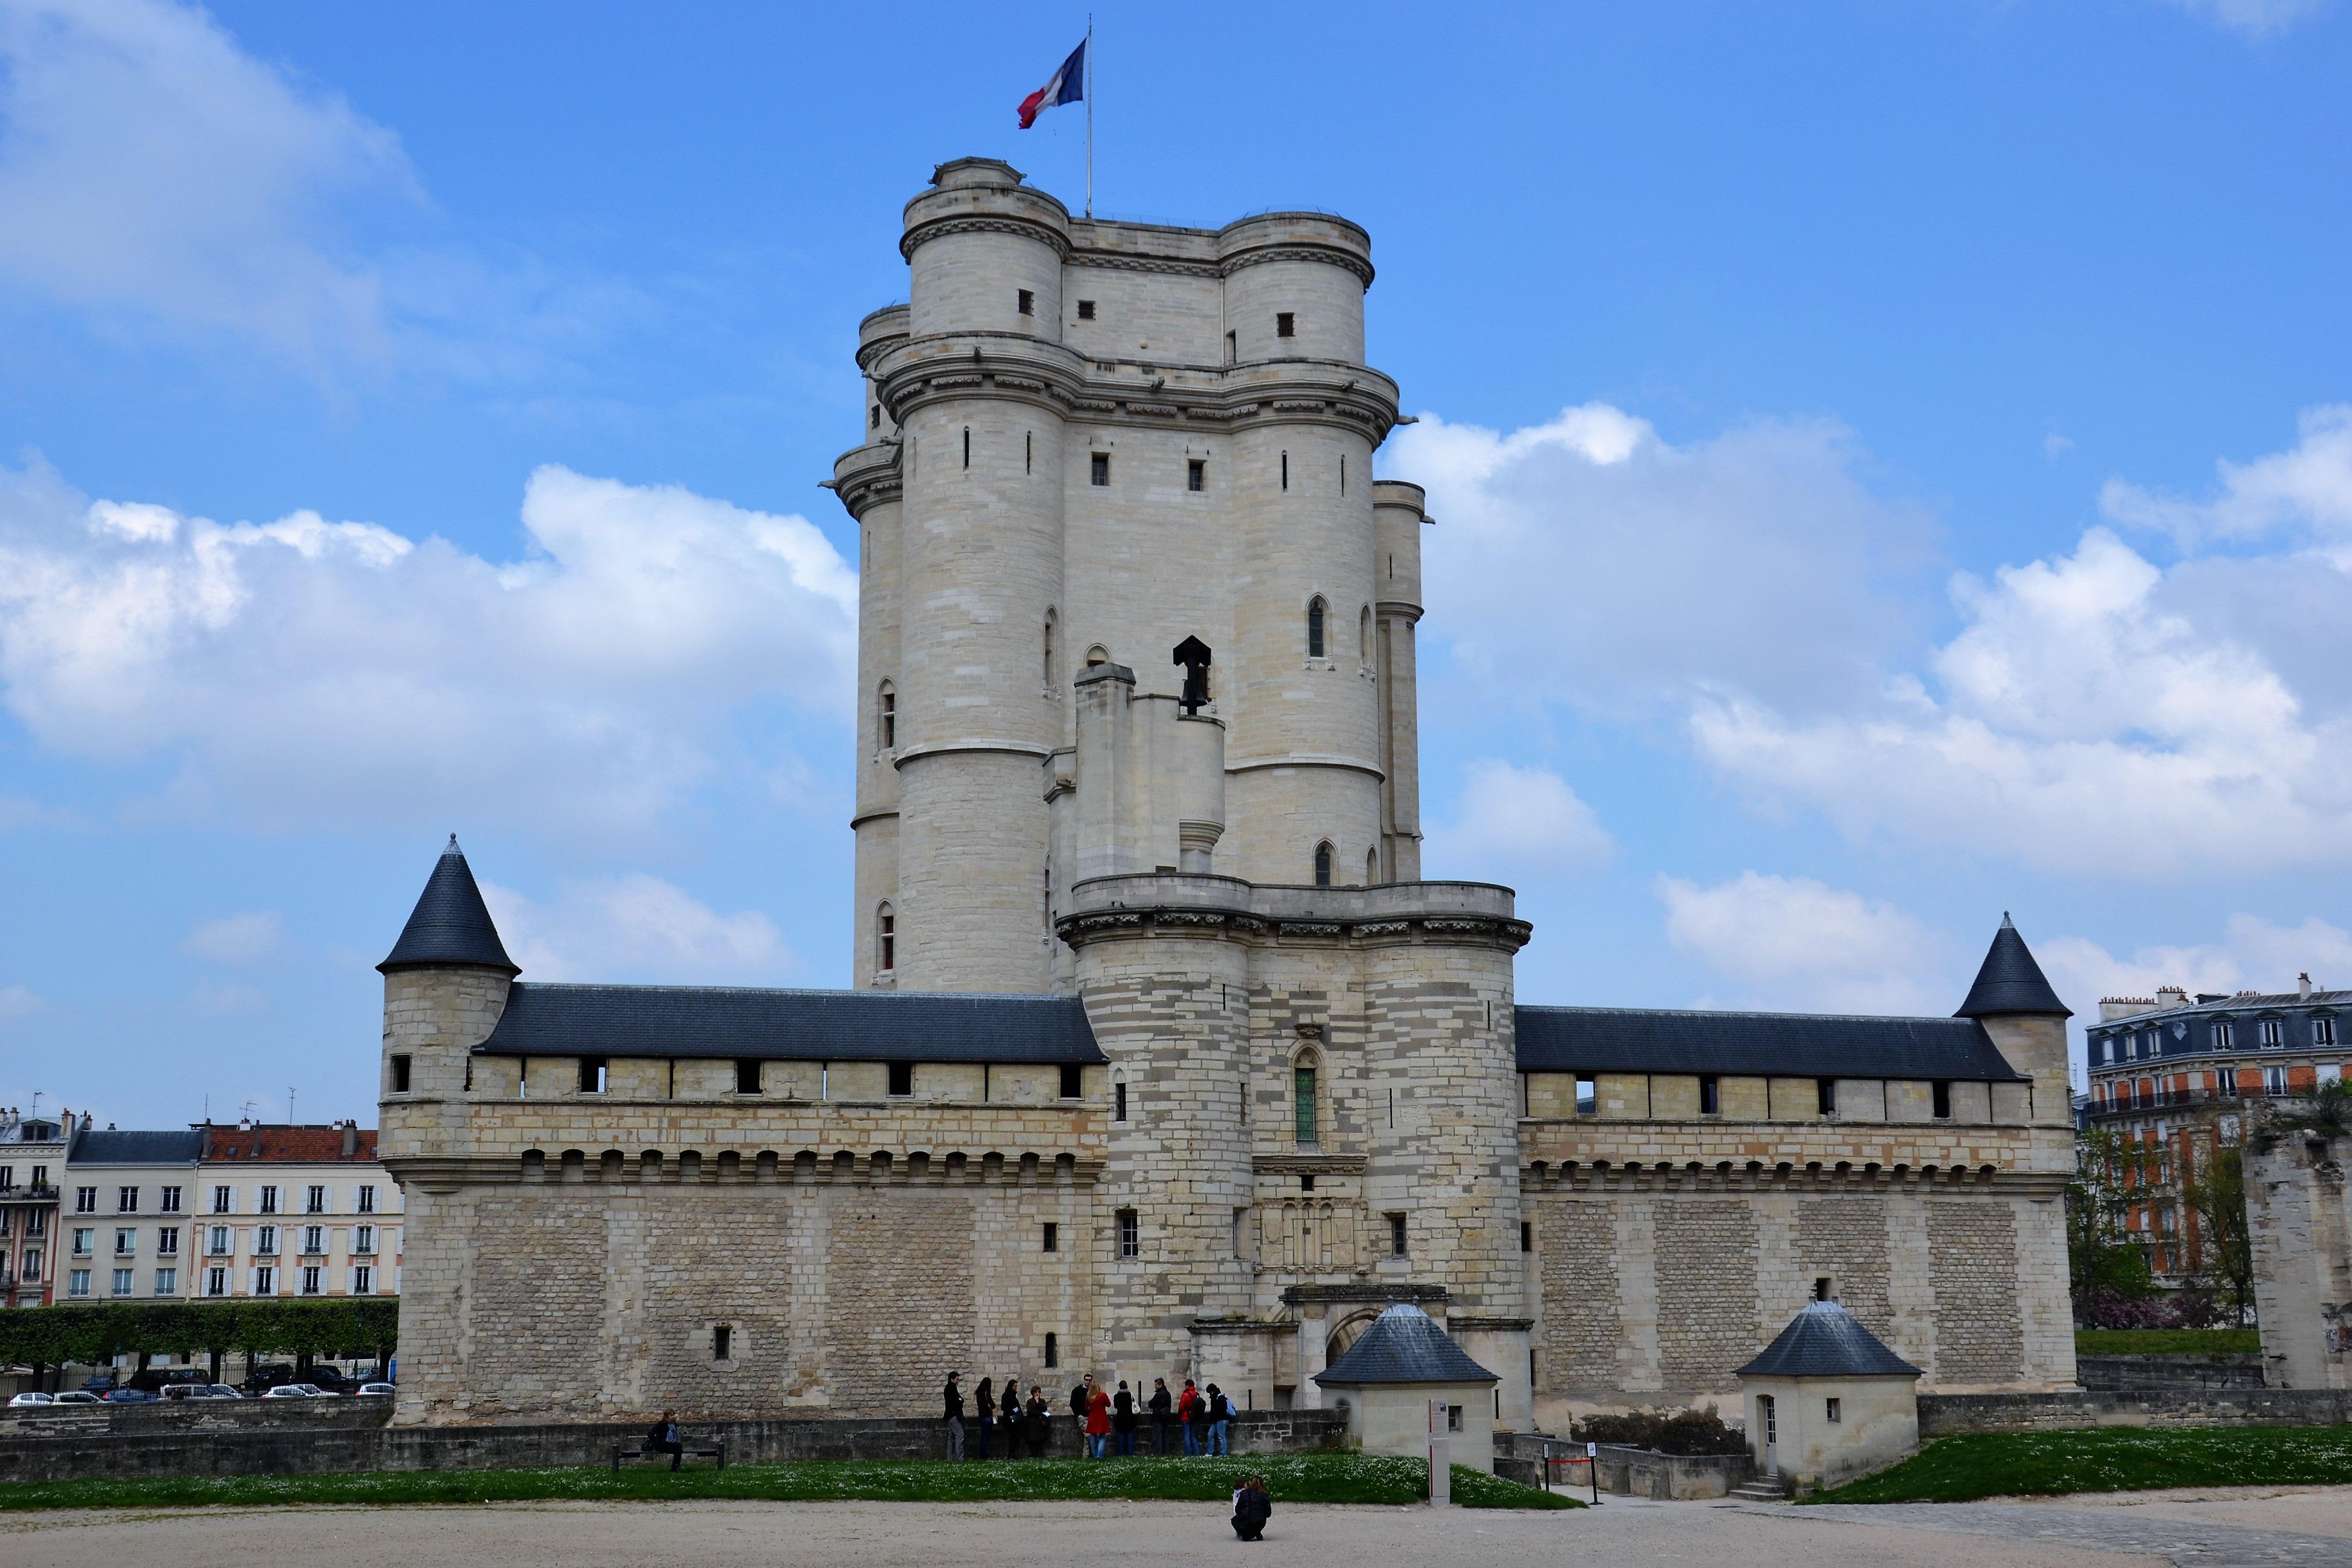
pixel 1894 464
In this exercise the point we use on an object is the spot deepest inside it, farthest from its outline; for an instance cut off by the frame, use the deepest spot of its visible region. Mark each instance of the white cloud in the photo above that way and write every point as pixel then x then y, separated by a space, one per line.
pixel 637 928
pixel 1514 820
pixel 1793 942
pixel 2253 954
pixel 19 1002
pixel 1588 560
pixel 2054 446
pixel 2254 18
pixel 223 999
pixel 2306 489
pixel 236 939
pixel 338 671
pixel 149 165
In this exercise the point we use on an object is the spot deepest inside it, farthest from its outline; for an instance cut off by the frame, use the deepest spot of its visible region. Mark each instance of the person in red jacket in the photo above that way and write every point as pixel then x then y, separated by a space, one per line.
pixel 1098 1421
pixel 1190 1409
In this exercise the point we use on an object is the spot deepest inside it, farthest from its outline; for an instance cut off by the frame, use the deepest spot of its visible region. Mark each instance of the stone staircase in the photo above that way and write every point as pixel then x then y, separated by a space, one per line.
pixel 1763 1489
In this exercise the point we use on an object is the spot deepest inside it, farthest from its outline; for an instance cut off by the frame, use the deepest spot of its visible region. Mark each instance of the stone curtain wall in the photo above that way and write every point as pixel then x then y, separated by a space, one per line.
pixel 1972 1262
pixel 1652 1297
pixel 904 1310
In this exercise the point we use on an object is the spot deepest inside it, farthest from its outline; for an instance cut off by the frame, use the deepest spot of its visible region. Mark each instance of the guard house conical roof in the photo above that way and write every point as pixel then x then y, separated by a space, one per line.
pixel 450 927
pixel 1827 1341
pixel 1404 1345
pixel 2010 982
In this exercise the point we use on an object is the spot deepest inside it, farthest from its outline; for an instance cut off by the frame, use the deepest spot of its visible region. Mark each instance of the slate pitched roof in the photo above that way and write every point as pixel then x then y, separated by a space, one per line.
pixel 115 1148
pixel 450 925
pixel 1826 1341
pixel 1404 1345
pixel 1761 1045
pixel 2010 982
pixel 801 1026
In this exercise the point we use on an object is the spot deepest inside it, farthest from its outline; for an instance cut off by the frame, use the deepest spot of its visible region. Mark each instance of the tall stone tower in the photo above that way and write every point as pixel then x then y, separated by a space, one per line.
pixel 1087 441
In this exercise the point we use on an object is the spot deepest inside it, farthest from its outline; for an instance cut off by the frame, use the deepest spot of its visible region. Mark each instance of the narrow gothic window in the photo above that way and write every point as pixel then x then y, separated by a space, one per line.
pixel 1118 1109
pixel 1302 1090
pixel 1286 470
pixel 967 446
pixel 1098 469
pixel 1285 324
pixel 1323 865
pixel 1372 868
pixel 1231 350
pixel 889 717
pixel 1315 628
pixel 1343 473
pixel 1364 634
pixel 1028 450
pixel 885 931
pixel 1049 647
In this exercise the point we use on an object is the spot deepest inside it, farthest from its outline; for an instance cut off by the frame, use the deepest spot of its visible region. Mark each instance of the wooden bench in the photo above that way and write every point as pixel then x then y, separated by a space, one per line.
pixel 692 1451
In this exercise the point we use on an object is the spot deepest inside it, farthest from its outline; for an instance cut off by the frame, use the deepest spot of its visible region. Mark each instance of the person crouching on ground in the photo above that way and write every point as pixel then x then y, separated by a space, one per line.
pixel 666 1439
pixel 1252 1509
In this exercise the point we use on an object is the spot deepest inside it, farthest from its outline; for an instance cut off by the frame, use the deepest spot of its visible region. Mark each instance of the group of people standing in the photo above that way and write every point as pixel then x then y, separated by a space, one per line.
pixel 1107 1421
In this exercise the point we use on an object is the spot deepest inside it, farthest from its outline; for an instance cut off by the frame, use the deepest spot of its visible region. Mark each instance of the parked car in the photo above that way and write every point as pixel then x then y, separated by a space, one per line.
pixel 131 1397
pixel 384 1390
pixel 333 1382
pixel 218 1391
pixel 297 1391
pixel 101 1386
pixel 76 1396
pixel 261 1379
pixel 32 1398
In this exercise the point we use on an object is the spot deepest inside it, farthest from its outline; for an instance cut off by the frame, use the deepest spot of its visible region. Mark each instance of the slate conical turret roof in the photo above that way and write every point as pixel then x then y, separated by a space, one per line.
pixel 2010 982
pixel 1404 1345
pixel 451 927
pixel 1825 1341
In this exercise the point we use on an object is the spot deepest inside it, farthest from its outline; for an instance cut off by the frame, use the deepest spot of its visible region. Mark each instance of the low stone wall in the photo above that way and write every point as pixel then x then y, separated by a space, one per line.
pixel 1946 1415
pixel 176 1415
pixel 2138 1372
pixel 307 1448
pixel 1626 1472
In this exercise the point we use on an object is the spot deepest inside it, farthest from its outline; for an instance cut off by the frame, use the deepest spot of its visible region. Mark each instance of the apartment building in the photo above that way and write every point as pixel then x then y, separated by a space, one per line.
pixel 32 1156
pixel 283 1210
pixel 124 1220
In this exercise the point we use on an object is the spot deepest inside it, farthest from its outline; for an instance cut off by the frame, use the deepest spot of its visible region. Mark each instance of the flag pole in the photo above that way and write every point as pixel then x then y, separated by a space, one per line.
pixel 1089 84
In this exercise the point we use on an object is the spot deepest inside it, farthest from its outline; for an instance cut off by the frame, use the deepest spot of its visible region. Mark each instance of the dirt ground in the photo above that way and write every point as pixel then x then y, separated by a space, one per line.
pixel 2212 1529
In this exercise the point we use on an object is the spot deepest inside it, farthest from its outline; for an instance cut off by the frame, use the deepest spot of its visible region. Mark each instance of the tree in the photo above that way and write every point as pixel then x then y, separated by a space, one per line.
pixel 2323 1116
pixel 2105 1264
pixel 2215 1193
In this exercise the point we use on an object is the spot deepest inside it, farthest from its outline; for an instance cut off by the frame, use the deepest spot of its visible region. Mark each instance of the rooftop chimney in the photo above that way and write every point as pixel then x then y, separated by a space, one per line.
pixel 351 1139
pixel 2303 985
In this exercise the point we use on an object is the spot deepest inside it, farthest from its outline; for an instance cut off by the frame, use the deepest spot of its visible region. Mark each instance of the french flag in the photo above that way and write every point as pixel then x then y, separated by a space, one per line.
pixel 1068 86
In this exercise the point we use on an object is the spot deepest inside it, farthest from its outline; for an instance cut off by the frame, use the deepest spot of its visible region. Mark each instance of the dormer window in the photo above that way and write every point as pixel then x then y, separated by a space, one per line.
pixel 2274 1033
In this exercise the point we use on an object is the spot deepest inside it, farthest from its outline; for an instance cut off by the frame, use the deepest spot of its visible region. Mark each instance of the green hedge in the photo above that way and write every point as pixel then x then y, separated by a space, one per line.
pixel 94 1332
pixel 2167 1341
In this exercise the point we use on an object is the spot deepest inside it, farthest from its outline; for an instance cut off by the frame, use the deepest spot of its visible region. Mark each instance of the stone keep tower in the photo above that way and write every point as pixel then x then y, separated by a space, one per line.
pixel 1086 442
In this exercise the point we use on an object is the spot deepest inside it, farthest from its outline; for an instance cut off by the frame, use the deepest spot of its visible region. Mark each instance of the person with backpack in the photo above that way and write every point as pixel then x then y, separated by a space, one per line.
pixel 953 1397
pixel 1163 1404
pixel 1122 1421
pixel 1221 1416
pixel 665 1438
pixel 1252 1509
pixel 1193 1411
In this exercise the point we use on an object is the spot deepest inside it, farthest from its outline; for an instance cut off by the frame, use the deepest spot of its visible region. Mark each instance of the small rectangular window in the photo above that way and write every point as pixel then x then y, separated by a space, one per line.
pixel 1835 1411
pixel 122 1280
pixel 1131 1233
pixel 167 1240
pixel 1052 1239
pixel 902 1078
pixel 1286 324
pixel 747 1075
pixel 874 417
pixel 314 1200
pixel 1099 468
pixel 217 1242
pixel 1821 1288
pixel 269 1200
pixel 169 1201
pixel 1454 1417
pixel 1196 474
pixel 1825 1096
pixel 591 1075
pixel 1588 1095
pixel 1306 1184
pixel 1052 1350
pixel 1943 1101
pixel 1028 303
pixel 1710 1097
pixel 1396 1236
pixel 1073 1082
pixel 399 1075
pixel 215 1281
pixel 85 1200
pixel 365 1200
pixel 1526 1236
pixel 362 1240
pixel 364 1280
pixel 126 1200
pixel 722 1342
pixel 1085 309
pixel 1241 1231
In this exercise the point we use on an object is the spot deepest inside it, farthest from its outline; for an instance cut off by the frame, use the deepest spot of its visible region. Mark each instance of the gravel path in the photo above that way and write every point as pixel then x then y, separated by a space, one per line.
pixel 2307 1526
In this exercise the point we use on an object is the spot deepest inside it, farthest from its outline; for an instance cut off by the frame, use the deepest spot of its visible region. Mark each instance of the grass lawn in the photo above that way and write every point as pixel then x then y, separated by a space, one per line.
pixel 2109 1459
pixel 2167 1341
pixel 1289 1477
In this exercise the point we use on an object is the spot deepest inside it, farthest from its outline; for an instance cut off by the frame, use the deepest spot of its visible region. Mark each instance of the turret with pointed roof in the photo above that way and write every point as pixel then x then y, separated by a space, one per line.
pixel 2010 983
pixel 451 927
